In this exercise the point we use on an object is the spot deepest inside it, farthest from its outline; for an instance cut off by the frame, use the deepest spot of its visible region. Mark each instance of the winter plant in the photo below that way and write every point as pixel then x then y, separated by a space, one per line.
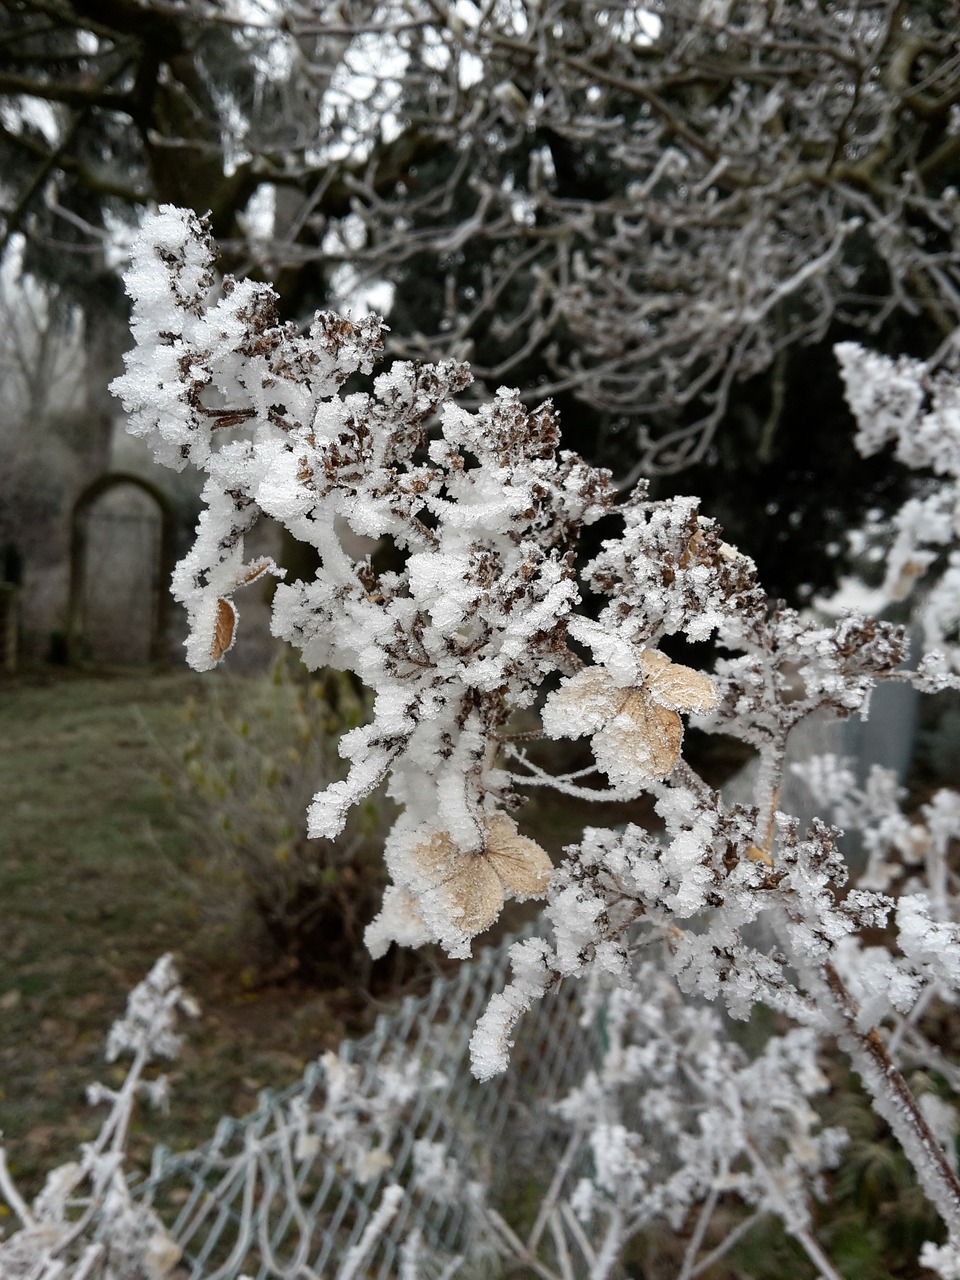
pixel 91 1221
pixel 915 406
pixel 454 582
pixel 673 1120
pixel 85 1224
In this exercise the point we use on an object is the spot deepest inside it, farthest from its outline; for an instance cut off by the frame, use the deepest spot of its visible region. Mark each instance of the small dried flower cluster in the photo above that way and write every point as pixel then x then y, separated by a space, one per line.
pixel 478 611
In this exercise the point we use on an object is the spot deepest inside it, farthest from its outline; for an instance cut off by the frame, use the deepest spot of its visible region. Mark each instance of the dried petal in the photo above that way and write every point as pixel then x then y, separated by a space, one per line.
pixel 756 854
pixel 475 894
pixel 671 685
pixel 473 883
pixel 467 881
pixel 520 863
pixel 582 704
pixel 641 743
pixel 437 857
pixel 225 629
pixel 256 569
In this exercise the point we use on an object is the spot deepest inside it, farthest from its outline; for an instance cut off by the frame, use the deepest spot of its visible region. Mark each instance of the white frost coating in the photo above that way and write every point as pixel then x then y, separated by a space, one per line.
pixel 885 395
pixel 452 642
pixel 674 1111
pixel 621 659
pixel 490 1043
pixel 942 1259
pixel 915 405
pixel 932 945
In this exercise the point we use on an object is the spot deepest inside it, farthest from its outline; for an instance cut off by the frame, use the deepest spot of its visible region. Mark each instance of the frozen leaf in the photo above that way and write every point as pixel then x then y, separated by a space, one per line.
pixel 225 629
pixel 520 863
pixel 257 568
pixel 469 882
pixel 642 741
pixel 671 685
pixel 582 704
pixel 473 883
pixel 636 731
pixel 476 894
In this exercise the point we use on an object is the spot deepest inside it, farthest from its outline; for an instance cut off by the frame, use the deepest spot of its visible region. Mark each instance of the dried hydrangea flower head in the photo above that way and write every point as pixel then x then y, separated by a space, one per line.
pixel 478 611
pixel 483 509
pixel 636 731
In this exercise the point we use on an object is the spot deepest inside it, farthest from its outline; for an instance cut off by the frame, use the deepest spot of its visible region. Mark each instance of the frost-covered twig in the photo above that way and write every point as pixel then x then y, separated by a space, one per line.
pixel 915 406
pixel 85 1224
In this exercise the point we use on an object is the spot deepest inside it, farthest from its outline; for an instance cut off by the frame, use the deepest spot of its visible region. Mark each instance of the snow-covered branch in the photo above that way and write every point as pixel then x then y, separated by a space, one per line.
pixel 474 615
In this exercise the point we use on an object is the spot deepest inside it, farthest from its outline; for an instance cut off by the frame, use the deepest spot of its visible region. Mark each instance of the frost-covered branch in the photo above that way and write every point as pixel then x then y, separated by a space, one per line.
pixel 914 405
pixel 474 614
pixel 85 1224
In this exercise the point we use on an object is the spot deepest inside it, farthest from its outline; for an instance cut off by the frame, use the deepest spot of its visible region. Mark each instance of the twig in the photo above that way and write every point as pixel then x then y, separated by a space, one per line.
pixel 12 1195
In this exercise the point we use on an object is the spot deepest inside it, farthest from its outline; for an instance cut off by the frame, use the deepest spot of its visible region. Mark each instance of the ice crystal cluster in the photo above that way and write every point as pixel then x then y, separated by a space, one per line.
pixel 914 405
pixel 453 582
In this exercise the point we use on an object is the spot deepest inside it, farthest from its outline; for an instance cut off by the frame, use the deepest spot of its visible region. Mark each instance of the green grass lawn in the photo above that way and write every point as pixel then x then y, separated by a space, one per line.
pixel 97 879
pixel 99 875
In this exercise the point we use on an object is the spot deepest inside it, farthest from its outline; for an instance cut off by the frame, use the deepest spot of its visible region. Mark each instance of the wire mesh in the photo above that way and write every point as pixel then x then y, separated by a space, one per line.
pixel 267 1198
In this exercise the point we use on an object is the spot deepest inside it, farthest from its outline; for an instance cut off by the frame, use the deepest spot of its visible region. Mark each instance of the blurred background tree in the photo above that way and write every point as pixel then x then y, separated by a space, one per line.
pixel 661 214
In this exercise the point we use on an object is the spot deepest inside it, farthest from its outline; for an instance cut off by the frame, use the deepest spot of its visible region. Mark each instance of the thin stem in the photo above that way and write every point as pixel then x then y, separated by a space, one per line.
pixel 895 1102
pixel 549 1200
pixel 12 1195
pixel 699 1231
pixel 609 1252
pixel 93 1255
pixel 797 1229
pixel 724 1247
pixel 540 778
pixel 517 1247
pixel 578 1233
pixel 560 1245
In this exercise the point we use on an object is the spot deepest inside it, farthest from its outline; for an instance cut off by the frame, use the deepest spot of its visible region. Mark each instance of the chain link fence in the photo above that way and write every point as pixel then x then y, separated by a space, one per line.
pixel 294 1189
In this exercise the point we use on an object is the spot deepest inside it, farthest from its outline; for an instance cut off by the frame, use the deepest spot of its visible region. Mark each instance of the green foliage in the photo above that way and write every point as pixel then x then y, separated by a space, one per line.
pixel 877 1217
pixel 257 753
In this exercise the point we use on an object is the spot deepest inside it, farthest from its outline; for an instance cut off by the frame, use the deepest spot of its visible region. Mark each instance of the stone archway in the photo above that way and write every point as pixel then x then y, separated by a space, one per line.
pixel 122 553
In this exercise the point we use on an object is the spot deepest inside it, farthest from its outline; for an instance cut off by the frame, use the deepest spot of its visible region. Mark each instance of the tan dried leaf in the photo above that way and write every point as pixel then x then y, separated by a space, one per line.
pixel 473 883
pixel 520 863
pixel 671 685
pixel 224 630
pixel 756 854
pixel 256 569
pixel 910 571
pixel 475 893
pixel 467 881
pixel 437 857
pixel 650 742
pixel 590 696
